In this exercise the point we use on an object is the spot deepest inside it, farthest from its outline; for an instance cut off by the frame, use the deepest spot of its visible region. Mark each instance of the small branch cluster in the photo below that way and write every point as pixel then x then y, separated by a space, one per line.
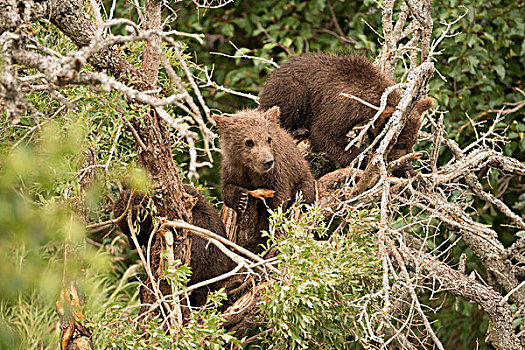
pixel 405 38
pixel 211 4
pixel 56 72
pixel 248 265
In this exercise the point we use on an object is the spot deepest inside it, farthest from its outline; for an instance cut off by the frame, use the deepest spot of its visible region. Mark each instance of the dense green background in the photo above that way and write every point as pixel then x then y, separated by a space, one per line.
pixel 483 66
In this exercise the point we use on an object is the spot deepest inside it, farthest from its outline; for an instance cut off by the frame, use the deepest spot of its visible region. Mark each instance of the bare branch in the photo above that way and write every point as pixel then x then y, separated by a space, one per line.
pixel 501 330
pixel 150 65
pixel 206 234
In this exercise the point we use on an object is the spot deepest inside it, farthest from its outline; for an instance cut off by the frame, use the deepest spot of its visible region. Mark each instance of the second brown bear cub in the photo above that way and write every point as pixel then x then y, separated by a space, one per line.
pixel 307 89
pixel 207 261
pixel 258 154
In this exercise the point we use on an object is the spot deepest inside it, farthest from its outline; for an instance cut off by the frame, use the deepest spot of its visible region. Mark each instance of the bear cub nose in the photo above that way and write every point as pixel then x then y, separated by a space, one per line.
pixel 268 163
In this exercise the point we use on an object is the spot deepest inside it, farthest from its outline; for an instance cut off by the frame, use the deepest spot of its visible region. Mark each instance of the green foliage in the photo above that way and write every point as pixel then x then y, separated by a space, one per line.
pixel 204 329
pixel 270 29
pixel 461 323
pixel 43 162
pixel 317 302
pixel 119 329
pixel 30 319
pixel 483 65
pixel 39 188
pixel 44 157
pixel 484 69
pixel 37 218
pixel 33 218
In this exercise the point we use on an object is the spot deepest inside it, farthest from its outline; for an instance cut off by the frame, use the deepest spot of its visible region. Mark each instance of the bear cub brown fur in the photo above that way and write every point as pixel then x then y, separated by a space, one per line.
pixel 207 261
pixel 307 89
pixel 258 154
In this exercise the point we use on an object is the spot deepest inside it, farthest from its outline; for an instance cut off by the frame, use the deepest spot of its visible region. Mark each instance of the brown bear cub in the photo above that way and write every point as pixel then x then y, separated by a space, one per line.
pixel 207 261
pixel 307 89
pixel 258 154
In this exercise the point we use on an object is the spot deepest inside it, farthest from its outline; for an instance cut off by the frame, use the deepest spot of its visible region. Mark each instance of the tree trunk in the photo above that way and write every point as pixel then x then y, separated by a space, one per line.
pixel 157 158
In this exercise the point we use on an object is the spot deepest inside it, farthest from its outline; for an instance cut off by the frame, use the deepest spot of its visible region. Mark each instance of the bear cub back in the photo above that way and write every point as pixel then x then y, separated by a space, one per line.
pixel 307 89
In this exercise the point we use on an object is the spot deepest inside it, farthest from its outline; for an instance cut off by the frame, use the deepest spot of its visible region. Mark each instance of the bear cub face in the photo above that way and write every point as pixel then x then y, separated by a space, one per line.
pixel 258 154
pixel 253 149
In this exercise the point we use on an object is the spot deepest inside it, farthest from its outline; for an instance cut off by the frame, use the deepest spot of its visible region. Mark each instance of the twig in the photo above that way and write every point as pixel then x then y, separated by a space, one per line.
pixel 379 109
pixel 360 100
pixel 208 234
pixel 213 84
pixel 506 297
pixel 265 60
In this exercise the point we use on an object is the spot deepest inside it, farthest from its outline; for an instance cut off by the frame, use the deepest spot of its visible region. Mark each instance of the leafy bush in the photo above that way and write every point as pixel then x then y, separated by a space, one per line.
pixel 317 302
pixel 119 329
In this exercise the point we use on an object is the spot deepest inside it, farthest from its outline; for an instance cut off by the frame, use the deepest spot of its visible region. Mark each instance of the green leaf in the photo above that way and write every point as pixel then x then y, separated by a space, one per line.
pixel 500 70
pixel 228 30
pixel 287 42
pixel 269 46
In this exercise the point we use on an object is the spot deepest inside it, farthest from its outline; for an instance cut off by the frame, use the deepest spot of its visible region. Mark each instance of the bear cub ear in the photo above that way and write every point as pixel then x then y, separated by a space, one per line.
pixel 381 121
pixel 221 122
pixel 273 114
pixel 421 107
pixel 424 105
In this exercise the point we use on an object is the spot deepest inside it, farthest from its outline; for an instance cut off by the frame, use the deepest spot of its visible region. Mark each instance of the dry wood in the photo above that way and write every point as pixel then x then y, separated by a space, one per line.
pixel 74 332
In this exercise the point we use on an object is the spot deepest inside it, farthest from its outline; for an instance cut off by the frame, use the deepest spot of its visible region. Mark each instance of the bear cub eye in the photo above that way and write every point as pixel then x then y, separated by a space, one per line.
pixel 269 140
pixel 249 143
